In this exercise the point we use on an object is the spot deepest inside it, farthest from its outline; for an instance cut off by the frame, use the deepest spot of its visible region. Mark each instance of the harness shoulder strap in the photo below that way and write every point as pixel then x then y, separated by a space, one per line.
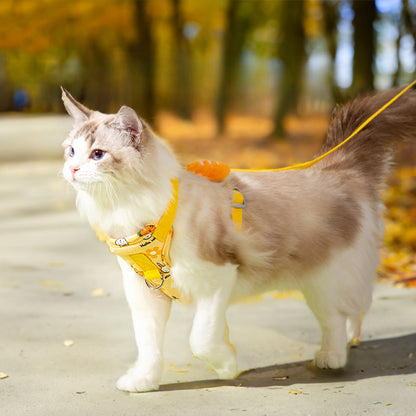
pixel 166 222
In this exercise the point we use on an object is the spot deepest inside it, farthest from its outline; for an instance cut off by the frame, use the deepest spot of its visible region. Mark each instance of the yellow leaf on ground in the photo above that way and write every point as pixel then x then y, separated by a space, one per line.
pixel 3 375
pixel 295 392
pixel 99 292
pixel 50 283
pixel 179 370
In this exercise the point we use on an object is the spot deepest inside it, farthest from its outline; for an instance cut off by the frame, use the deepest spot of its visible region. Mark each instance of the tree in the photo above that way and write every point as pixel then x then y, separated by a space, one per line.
pixel 237 26
pixel 5 93
pixel 364 46
pixel 142 52
pixel 330 9
pixel 291 52
pixel 409 23
pixel 182 83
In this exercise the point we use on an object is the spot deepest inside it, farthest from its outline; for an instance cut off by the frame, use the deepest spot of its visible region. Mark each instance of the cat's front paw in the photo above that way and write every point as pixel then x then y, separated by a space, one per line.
pixel 330 359
pixel 135 382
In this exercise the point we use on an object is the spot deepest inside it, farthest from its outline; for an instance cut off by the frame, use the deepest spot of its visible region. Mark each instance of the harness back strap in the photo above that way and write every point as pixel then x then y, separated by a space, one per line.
pixel 237 208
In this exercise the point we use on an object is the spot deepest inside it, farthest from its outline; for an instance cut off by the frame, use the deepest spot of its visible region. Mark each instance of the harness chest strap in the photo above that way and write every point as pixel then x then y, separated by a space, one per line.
pixel 147 252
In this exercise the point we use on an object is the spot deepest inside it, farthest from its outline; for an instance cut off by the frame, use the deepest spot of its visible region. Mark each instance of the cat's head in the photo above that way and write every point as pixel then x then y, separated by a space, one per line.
pixel 103 150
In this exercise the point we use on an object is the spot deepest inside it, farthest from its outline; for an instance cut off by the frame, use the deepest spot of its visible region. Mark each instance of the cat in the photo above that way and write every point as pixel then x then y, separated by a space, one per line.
pixel 317 230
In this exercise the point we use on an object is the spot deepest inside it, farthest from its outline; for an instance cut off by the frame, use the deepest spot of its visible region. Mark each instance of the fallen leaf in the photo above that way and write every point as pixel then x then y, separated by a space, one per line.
pixel 99 292
pixel 50 283
pixel 295 392
pixel 59 206
pixel 179 370
pixel 280 378
pixel 3 375
pixel 55 263
pixel 408 277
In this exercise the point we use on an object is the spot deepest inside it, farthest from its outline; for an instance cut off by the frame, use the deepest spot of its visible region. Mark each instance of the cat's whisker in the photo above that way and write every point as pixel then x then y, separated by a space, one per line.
pixel 111 195
pixel 110 191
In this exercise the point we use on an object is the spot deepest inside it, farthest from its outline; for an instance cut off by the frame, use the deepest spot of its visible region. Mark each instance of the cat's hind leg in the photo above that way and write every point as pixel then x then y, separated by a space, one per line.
pixel 150 311
pixel 339 294
pixel 321 295
pixel 209 336
pixel 354 329
pixel 334 349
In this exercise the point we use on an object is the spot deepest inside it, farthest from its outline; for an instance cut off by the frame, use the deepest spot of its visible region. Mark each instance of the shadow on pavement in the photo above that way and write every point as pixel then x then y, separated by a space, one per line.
pixel 377 358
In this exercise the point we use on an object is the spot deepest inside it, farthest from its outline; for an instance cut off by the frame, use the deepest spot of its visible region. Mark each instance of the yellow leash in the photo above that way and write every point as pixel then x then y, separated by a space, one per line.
pixel 238 198
pixel 306 165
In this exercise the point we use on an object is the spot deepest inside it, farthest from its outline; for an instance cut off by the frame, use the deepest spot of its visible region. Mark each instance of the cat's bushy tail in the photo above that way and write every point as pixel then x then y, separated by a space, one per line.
pixel 370 151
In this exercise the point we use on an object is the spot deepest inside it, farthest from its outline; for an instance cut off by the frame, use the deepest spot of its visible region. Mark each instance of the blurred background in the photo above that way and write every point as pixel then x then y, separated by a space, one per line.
pixel 248 82
pixel 266 58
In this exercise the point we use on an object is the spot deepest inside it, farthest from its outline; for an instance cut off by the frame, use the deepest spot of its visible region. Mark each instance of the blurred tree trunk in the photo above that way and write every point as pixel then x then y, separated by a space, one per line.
pixel 409 24
pixel 6 100
pixel 364 46
pixel 396 74
pixel 182 85
pixel 291 52
pixel 237 26
pixel 330 11
pixel 96 74
pixel 143 64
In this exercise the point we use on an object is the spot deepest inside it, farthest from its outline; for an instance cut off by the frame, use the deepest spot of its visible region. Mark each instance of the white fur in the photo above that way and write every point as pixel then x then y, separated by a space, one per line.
pixel 210 286
pixel 150 312
pixel 348 281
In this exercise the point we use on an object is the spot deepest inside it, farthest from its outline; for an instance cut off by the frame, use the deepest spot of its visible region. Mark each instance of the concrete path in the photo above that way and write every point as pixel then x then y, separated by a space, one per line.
pixel 66 335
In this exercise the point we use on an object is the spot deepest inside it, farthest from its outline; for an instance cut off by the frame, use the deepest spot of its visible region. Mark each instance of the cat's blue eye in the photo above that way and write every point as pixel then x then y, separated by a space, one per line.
pixel 97 154
pixel 71 151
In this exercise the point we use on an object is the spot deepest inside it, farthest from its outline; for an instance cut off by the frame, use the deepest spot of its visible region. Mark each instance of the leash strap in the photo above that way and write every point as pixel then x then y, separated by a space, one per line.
pixel 310 163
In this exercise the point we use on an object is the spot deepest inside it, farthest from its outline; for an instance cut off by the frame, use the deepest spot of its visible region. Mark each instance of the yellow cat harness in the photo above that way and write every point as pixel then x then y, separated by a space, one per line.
pixel 147 252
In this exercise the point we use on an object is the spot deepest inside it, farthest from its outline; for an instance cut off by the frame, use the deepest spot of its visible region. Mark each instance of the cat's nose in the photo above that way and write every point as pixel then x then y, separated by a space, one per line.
pixel 74 170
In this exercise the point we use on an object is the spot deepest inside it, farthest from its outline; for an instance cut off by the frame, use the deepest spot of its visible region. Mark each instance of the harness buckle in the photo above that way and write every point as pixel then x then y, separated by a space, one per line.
pixel 153 286
pixel 237 205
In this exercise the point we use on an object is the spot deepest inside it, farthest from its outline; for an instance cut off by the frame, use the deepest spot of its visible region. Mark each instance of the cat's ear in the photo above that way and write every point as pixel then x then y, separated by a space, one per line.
pixel 79 112
pixel 127 119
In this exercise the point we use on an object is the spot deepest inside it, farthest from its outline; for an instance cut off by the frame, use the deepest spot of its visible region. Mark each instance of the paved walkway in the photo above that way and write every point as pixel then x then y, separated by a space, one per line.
pixel 66 335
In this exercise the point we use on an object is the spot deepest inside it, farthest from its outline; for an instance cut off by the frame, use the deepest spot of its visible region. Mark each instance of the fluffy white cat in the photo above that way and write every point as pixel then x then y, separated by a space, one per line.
pixel 316 230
